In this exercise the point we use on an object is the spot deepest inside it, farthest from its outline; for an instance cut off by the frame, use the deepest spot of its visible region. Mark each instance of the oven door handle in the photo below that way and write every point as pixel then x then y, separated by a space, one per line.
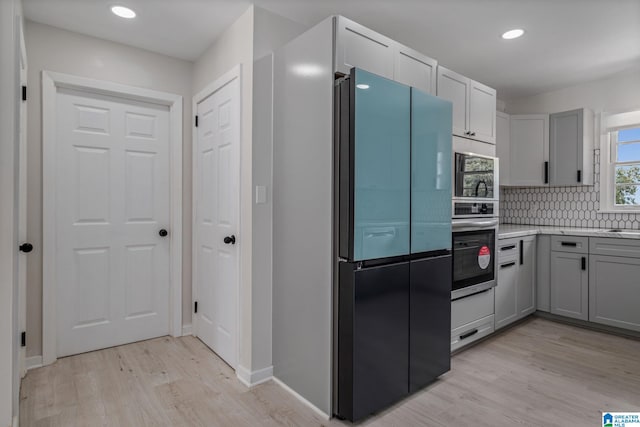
pixel 473 223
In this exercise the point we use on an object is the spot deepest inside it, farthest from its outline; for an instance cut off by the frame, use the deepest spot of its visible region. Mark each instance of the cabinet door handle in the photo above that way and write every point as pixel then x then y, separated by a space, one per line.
pixel 584 263
pixel 510 264
pixel 508 248
pixel 579 176
pixel 521 252
pixel 472 134
pixel 572 244
pixel 546 172
pixel 468 334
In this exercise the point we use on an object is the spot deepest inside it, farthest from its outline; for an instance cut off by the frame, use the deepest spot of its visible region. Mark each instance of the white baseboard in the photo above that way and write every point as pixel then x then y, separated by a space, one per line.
pixel 301 399
pixel 187 330
pixel 33 362
pixel 253 378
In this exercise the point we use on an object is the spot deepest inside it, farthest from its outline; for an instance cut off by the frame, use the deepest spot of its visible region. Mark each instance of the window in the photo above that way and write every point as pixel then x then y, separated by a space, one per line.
pixel 626 154
pixel 620 163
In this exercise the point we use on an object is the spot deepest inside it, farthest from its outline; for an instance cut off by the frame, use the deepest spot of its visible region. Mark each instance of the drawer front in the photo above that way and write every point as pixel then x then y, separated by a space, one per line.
pixel 466 334
pixel 508 249
pixel 471 308
pixel 574 244
pixel 629 248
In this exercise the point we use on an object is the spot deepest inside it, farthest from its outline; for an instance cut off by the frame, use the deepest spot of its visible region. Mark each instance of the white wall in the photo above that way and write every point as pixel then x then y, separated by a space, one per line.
pixel 9 10
pixel 270 32
pixel 58 50
pixel 614 94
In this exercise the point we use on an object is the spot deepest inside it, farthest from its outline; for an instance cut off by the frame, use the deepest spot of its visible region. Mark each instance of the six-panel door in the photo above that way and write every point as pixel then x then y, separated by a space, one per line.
pixel 112 199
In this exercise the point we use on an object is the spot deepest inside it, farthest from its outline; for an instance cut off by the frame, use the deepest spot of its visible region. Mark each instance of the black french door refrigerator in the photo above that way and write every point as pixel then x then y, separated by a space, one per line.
pixel 393 196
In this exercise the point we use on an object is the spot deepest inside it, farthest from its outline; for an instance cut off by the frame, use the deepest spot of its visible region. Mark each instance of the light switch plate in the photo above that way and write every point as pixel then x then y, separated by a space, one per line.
pixel 261 194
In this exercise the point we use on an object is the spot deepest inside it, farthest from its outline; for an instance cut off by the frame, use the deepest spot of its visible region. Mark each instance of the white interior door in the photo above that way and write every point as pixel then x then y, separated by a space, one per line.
pixel 216 220
pixel 22 206
pixel 112 198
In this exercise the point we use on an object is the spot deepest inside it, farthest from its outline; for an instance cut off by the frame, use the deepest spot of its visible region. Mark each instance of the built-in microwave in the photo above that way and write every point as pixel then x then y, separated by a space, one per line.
pixel 475 177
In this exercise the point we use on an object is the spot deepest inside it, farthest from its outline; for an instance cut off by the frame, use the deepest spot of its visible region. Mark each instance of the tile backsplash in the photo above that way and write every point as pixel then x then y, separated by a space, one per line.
pixel 562 206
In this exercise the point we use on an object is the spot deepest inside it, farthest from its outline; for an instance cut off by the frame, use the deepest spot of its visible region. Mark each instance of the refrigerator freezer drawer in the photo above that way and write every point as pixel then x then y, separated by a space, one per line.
pixel 430 320
pixel 373 338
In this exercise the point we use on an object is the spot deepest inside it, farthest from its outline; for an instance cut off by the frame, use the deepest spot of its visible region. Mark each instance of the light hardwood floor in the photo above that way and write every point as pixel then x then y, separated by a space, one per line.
pixel 539 373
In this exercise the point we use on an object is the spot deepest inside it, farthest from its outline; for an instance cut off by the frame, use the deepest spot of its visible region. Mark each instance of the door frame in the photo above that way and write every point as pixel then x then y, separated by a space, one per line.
pixel 51 82
pixel 233 74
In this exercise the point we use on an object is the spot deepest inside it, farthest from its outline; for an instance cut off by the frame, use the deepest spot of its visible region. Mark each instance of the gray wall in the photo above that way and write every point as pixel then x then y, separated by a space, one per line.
pixel 53 49
pixel 302 215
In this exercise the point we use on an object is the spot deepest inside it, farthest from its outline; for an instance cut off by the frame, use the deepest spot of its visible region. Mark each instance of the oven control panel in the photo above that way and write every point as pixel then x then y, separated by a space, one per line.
pixel 475 209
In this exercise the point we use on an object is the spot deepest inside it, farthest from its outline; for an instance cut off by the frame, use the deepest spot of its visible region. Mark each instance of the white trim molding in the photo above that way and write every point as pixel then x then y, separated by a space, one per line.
pixel 295 394
pixel 187 330
pixel 51 81
pixel 234 73
pixel 253 378
pixel 33 362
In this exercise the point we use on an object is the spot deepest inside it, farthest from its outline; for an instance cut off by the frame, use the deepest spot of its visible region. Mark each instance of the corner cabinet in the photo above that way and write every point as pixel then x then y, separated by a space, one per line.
pixel 474 105
pixel 554 150
pixel 614 288
pixel 359 46
pixel 571 148
pixel 570 277
pixel 515 293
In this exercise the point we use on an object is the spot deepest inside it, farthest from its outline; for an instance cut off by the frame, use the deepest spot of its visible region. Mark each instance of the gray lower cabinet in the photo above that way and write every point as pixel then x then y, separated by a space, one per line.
pixel 570 285
pixel 527 277
pixel 614 291
pixel 515 293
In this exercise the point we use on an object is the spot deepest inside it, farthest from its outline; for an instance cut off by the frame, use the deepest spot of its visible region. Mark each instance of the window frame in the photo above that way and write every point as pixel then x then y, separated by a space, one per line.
pixel 611 125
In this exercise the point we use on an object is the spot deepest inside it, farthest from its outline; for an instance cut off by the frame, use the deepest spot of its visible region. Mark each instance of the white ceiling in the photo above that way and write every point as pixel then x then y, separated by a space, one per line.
pixel 567 41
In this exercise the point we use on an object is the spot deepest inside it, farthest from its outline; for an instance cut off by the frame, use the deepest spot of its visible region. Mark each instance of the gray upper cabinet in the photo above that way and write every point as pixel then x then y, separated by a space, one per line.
pixel 474 105
pixel 529 150
pixel 503 146
pixel 570 285
pixel 571 147
pixel 482 112
pixel 358 46
pixel 454 87
pixel 361 47
pixel 415 69
pixel 555 150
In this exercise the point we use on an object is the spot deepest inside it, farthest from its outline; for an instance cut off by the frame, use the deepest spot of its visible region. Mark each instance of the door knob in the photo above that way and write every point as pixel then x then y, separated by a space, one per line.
pixel 230 240
pixel 26 247
pixel 163 233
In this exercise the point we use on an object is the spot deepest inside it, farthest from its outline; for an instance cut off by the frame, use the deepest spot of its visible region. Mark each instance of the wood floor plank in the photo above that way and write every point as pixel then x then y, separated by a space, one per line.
pixel 537 373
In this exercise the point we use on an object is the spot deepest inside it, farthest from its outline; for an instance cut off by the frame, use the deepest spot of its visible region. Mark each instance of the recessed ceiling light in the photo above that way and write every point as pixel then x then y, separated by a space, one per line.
pixel 513 34
pixel 362 86
pixel 123 12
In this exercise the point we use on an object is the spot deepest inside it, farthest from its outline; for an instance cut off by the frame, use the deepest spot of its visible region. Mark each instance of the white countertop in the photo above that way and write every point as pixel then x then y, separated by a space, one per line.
pixel 506 231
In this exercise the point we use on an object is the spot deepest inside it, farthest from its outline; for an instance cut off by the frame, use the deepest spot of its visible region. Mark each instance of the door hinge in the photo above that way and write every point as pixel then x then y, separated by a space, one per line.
pixel 24 93
pixel 196 121
pixel 195 307
pixel 23 339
